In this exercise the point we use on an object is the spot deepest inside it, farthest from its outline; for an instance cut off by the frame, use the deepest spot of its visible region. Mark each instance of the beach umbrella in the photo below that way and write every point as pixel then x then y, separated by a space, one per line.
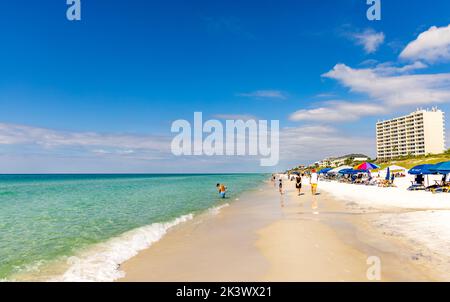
pixel 442 168
pixel 345 171
pixel 397 168
pixel 367 166
pixel 388 174
pixel 352 171
pixel 421 170
pixel 325 171
pixel 337 170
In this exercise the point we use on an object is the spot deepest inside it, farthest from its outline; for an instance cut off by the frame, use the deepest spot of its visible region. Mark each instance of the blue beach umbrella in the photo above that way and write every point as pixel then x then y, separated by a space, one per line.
pixel 442 168
pixel 352 171
pixel 325 171
pixel 388 174
pixel 345 171
pixel 422 170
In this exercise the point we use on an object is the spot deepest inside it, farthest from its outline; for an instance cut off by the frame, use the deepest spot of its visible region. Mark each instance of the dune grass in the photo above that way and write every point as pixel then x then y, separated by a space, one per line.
pixel 413 161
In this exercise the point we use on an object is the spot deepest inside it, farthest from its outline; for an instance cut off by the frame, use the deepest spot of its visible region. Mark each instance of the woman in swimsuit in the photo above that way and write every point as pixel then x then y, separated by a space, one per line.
pixel 298 185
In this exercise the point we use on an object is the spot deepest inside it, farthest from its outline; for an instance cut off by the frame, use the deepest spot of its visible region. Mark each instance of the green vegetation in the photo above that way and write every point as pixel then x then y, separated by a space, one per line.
pixel 408 162
pixel 412 161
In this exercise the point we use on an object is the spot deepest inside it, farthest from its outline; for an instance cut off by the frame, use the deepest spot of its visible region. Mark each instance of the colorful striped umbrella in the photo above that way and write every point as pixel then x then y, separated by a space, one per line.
pixel 367 166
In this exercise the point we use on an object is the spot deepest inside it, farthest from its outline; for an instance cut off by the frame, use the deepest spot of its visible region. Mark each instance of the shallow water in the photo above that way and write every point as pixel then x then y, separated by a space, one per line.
pixel 49 218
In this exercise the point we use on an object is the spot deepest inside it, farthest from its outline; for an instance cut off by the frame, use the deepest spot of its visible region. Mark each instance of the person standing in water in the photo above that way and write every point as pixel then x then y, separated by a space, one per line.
pixel 298 184
pixel 222 190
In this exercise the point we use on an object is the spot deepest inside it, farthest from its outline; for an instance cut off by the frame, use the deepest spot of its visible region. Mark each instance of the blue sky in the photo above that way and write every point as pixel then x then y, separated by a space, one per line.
pixel 99 95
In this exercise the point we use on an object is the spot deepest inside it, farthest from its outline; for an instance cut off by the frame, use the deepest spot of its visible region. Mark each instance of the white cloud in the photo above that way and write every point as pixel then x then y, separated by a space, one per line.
pixel 337 111
pixel 120 144
pixel 394 90
pixel 265 94
pixel 432 46
pixel 386 87
pixel 390 68
pixel 369 39
pixel 309 143
pixel 325 95
pixel 368 62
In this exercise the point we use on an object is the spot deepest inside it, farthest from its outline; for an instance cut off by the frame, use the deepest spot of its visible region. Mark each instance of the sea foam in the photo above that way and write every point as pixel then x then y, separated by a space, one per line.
pixel 102 262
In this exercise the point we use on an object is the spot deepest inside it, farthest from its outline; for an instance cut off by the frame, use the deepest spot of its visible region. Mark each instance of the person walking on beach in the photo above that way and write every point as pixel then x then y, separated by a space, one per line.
pixel 314 181
pixel 280 186
pixel 222 190
pixel 298 184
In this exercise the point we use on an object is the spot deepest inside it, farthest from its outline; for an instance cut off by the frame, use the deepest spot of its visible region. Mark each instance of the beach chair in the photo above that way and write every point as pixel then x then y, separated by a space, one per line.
pixel 416 187
pixel 417 184
pixel 439 186
pixel 383 183
pixel 371 181
pixel 446 188
pixel 359 179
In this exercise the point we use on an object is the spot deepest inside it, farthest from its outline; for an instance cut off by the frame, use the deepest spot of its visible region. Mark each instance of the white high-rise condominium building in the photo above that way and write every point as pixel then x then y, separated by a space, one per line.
pixel 419 133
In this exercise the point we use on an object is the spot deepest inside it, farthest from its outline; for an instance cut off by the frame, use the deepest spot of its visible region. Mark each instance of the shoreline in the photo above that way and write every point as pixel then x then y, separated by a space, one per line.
pixel 121 217
pixel 254 239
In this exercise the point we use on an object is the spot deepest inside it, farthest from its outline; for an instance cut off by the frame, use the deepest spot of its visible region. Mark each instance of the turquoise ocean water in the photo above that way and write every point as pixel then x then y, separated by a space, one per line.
pixel 81 227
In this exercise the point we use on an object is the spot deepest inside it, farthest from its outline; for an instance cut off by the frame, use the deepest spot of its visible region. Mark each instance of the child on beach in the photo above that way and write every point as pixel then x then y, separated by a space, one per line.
pixel 222 190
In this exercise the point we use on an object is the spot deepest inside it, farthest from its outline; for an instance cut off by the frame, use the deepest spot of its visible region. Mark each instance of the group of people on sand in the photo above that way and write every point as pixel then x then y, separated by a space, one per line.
pixel 299 180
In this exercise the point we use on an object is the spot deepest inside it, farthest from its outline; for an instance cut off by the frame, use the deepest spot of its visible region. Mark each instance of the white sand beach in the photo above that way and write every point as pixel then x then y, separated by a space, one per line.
pixel 255 239
pixel 420 219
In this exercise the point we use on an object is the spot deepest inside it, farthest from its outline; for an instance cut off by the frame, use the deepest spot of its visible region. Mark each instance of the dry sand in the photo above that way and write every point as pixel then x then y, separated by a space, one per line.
pixel 255 239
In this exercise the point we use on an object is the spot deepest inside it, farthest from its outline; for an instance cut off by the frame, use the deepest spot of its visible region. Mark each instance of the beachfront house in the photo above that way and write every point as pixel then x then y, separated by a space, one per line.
pixel 348 159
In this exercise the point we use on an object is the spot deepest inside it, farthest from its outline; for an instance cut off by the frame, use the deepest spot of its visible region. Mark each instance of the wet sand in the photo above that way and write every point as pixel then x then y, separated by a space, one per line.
pixel 256 239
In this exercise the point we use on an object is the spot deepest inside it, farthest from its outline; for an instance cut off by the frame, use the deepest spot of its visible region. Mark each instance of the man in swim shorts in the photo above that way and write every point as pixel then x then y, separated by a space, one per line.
pixel 222 190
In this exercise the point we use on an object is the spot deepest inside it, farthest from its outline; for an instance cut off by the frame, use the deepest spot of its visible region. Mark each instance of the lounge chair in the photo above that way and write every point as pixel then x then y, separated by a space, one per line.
pixel 439 186
pixel 417 184
pixel 359 180
pixel 371 181
pixel 386 184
